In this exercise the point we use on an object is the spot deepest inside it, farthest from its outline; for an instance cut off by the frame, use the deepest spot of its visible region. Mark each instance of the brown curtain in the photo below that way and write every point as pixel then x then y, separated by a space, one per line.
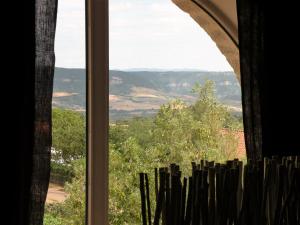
pixel 45 24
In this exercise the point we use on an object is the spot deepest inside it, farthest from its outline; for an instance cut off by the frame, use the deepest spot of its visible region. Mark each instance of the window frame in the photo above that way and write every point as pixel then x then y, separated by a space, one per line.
pixel 97 73
pixel 97 86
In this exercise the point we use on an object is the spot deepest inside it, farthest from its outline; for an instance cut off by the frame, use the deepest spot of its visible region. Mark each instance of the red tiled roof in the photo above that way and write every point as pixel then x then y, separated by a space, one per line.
pixel 241 147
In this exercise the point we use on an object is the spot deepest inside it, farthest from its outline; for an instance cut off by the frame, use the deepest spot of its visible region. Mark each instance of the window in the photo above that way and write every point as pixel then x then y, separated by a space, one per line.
pixel 98 97
pixel 65 202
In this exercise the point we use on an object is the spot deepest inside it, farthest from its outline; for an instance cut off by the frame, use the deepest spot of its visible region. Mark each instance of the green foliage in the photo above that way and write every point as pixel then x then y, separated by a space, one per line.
pixel 72 210
pixel 68 167
pixel 141 128
pixel 68 135
pixel 118 133
pixel 60 172
pixel 125 165
pixel 172 137
pixel 209 135
pixel 51 219
pixel 54 214
pixel 179 133
pixel 123 189
pixel 75 203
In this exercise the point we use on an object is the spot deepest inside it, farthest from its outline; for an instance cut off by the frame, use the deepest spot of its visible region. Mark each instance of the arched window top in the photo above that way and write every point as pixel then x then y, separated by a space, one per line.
pixel 219 20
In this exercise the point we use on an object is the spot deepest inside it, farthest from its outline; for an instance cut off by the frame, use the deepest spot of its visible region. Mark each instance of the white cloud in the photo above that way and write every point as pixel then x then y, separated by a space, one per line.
pixel 143 33
pixel 120 6
pixel 157 34
pixel 70 34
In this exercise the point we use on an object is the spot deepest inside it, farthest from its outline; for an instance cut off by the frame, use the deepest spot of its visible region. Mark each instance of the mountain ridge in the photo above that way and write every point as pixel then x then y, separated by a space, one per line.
pixel 140 93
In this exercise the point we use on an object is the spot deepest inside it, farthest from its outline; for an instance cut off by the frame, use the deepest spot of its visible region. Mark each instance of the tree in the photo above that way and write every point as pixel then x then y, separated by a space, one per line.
pixel 69 140
pixel 141 128
pixel 118 133
pixel 74 205
pixel 172 136
pixel 72 211
pixel 124 197
pixel 178 133
pixel 211 118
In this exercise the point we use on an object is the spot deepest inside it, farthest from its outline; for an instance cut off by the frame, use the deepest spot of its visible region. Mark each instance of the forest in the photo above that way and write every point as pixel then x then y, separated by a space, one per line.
pixel 178 133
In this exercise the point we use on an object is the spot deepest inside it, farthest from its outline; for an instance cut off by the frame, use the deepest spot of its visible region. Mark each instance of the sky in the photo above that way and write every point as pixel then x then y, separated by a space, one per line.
pixel 148 34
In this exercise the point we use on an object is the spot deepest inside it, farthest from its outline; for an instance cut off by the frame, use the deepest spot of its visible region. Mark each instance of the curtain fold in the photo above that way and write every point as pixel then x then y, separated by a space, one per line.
pixel 251 47
pixel 269 65
pixel 45 24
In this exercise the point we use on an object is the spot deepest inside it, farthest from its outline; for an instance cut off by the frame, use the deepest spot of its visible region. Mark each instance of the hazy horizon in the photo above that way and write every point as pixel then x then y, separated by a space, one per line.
pixel 153 69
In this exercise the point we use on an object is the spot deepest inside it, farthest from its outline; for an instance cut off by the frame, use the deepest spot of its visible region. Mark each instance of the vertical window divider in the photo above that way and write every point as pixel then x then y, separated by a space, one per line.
pixel 97 111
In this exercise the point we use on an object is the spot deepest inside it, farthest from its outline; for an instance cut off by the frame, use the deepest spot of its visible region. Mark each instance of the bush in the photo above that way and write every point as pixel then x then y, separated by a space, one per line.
pixel 74 205
pixel 50 219
pixel 55 214
pixel 68 131
pixel 72 210
pixel 61 173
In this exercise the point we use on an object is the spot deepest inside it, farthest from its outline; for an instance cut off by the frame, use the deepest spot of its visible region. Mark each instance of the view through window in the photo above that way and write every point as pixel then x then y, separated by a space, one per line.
pixel 65 204
pixel 173 98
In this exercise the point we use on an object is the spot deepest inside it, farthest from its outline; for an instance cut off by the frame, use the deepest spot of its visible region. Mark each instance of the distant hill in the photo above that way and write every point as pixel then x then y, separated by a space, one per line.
pixel 140 93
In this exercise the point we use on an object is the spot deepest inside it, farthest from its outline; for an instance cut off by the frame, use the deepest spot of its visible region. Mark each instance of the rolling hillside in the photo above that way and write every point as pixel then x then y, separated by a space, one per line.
pixel 140 93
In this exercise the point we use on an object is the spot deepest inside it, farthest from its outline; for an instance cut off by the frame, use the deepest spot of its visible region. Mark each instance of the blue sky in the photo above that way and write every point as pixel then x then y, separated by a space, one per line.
pixel 152 34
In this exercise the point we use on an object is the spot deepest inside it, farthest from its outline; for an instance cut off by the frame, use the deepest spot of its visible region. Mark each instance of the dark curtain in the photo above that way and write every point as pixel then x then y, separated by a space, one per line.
pixel 45 24
pixel 269 77
pixel 28 112
pixel 30 72
pixel 251 38
pixel 20 113
pixel 30 117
